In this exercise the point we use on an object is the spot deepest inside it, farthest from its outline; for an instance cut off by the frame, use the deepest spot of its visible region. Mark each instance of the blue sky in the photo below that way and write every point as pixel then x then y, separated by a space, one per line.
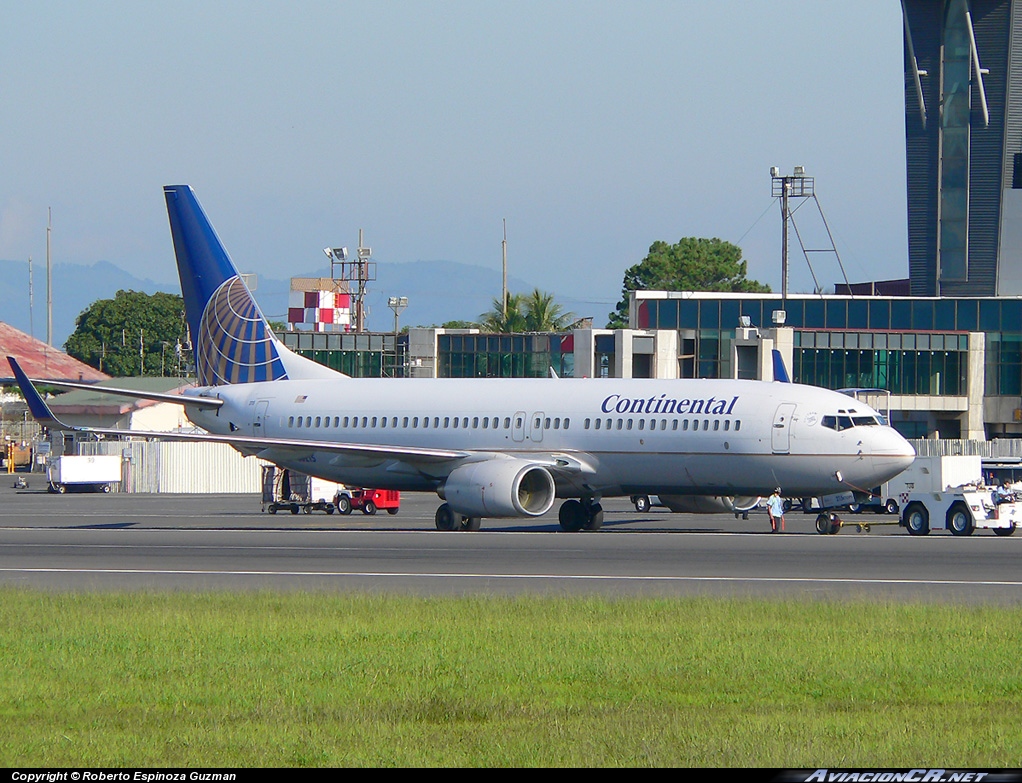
pixel 594 128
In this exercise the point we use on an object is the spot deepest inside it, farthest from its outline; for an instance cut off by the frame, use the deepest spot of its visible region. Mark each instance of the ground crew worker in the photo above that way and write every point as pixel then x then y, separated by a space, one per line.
pixel 775 510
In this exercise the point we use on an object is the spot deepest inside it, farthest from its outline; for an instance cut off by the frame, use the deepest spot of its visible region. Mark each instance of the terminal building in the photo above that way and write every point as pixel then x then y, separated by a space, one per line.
pixel 963 143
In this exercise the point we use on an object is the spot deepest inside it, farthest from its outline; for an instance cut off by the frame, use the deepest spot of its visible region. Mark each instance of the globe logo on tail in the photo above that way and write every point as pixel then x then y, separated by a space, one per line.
pixel 234 344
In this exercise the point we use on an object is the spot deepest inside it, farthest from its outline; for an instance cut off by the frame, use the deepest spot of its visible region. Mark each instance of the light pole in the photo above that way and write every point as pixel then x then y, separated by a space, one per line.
pixel 397 304
pixel 795 185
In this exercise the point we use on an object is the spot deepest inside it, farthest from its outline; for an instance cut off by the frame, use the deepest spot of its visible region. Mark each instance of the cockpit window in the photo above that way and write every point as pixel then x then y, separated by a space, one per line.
pixel 840 423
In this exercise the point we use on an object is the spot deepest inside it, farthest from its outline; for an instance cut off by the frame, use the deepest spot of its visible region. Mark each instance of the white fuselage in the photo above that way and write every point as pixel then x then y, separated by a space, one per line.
pixel 703 437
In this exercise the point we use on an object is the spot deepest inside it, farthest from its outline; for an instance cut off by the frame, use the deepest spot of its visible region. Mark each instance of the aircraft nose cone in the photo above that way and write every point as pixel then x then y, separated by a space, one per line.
pixel 891 453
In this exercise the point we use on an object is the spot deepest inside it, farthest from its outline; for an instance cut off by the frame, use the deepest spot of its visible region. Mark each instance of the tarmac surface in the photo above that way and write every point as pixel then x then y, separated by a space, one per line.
pixel 225 542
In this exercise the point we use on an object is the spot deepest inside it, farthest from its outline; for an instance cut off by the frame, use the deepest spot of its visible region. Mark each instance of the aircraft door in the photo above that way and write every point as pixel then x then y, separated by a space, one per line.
pixel 536 427
pixel 780 433
pixel 518 426
pixel 259 421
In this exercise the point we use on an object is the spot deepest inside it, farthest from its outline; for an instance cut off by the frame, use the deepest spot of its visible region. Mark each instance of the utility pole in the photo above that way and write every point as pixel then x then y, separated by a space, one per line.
pixel 31 324
pixel 503 287
pixel 49 279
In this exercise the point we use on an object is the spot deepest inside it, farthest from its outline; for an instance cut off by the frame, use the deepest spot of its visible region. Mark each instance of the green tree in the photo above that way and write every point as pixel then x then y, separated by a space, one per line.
pixel 534 312
pixel 693 264
pixel 542 314
pixel 132 334
pixel 495 319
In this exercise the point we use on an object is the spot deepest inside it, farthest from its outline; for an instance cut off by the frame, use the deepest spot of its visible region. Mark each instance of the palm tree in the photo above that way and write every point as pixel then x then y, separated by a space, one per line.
pixel 542 314
pixel 536 312
pixel 499 320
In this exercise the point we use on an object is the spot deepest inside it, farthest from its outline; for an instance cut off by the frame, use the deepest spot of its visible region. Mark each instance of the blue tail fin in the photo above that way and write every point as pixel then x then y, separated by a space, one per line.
pixel 780 371
pixel 231 339
pixel 36 404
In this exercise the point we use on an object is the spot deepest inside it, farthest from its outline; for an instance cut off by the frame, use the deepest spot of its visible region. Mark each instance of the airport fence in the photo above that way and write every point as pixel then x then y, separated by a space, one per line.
pixel 181 468
pixel 1002 448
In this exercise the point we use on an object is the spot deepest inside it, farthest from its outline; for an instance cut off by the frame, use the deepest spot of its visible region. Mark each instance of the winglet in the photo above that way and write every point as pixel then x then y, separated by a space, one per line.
pixel 40 410
pixel 780 372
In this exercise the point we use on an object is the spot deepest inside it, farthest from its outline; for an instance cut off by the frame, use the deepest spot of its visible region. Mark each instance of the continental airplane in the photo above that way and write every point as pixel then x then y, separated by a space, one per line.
pixel 502 447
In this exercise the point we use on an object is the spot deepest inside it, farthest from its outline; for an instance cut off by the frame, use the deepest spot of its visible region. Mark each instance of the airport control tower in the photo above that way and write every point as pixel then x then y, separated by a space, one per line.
pixel 963 134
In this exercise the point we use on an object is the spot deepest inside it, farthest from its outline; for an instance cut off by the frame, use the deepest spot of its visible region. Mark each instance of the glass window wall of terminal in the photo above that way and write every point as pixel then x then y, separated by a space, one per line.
pixel 873 313
pixel 363 355
pixel 1004 363
pixel 505 355
pixel 909 346
pixel 935 373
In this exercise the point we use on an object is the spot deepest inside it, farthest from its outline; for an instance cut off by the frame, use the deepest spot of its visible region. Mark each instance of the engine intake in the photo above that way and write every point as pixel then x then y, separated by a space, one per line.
pixel 499 487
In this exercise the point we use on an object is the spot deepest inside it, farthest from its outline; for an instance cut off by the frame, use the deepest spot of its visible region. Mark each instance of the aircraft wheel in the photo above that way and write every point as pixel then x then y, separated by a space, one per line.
pixel 343 504
pixel 917 519
pixel 641 503
pixel 827 524
pixel 959 521
pixel 471 523
pixel 572 516
pixel 1004 531
pixel 891 507
pixel 446 519
pixel 594 514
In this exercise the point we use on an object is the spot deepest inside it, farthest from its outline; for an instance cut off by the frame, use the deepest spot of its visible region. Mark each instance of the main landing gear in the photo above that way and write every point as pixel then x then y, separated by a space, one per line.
pixel 448 519
pixel 574 515
pixel 584 514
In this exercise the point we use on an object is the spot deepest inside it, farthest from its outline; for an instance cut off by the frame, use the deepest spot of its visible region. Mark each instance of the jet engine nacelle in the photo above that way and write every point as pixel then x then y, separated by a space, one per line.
pixel 708 504
pixel 499 488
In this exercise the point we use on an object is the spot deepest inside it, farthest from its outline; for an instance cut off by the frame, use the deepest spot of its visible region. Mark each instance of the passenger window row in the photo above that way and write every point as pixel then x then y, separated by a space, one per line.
pixel 423 422
pixel 651 425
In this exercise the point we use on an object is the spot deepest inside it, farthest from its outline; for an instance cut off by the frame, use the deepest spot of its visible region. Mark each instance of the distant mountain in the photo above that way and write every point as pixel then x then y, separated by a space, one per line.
pixel 75 287
pixel 437 291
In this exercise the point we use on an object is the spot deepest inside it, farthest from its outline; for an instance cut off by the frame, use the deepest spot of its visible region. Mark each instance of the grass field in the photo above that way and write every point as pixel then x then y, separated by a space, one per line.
pixel 214 679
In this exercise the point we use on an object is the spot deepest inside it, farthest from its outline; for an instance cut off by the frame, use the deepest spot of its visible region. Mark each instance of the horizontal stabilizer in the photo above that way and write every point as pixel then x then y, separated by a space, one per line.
pixel 177 399
pixel 36 404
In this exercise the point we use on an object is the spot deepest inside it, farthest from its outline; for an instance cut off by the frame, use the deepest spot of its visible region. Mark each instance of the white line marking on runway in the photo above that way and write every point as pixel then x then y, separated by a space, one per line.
pixel 538 577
